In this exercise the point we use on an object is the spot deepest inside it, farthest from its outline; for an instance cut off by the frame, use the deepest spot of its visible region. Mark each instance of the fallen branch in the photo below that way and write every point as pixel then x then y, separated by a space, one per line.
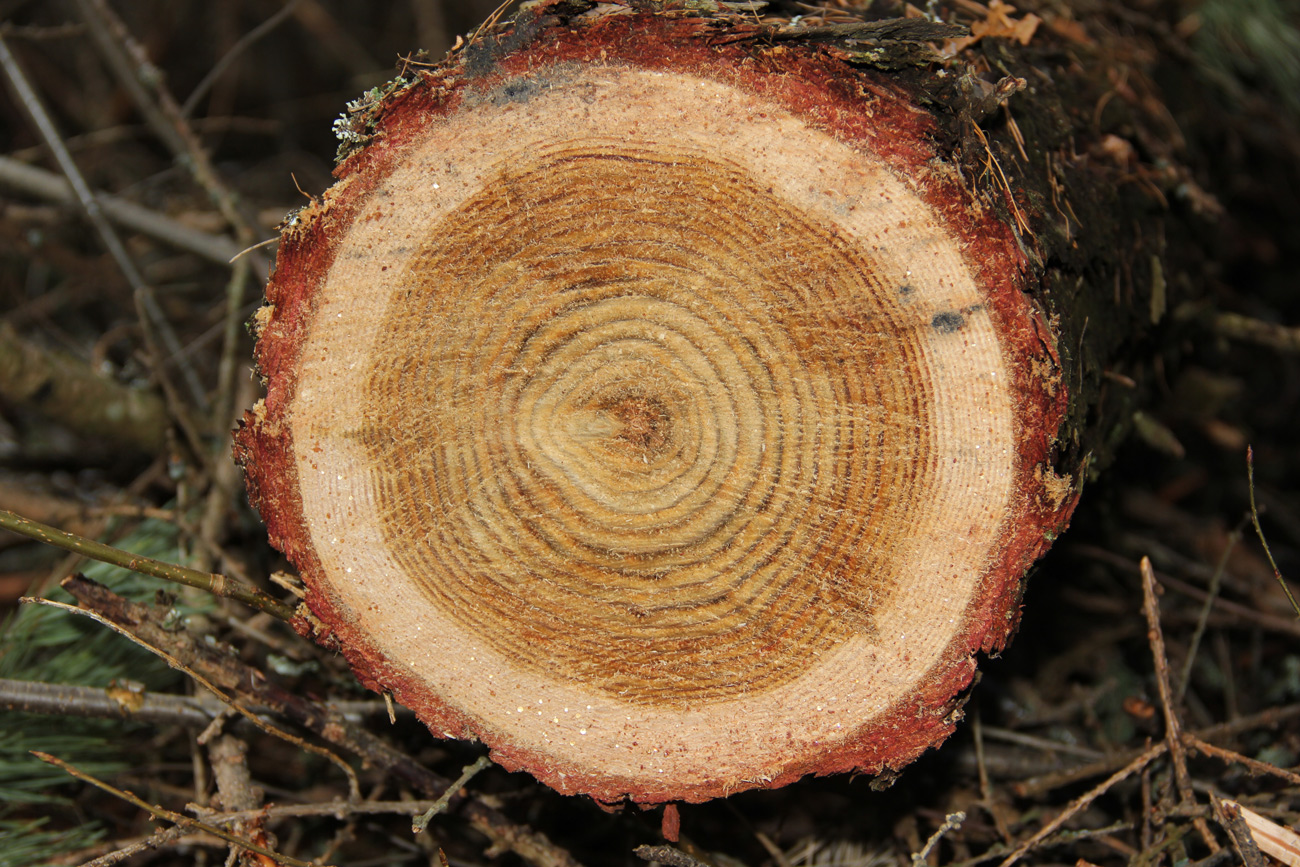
pixel 37 182
pixel 1259 531
pixel 217 585
pixel 61 699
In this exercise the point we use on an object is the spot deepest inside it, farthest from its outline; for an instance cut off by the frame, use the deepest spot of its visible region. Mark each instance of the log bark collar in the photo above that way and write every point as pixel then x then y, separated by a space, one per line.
pixel 653 404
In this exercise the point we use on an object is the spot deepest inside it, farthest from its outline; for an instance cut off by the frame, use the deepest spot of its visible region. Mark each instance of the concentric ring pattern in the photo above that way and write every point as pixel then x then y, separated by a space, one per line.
pixel 641 423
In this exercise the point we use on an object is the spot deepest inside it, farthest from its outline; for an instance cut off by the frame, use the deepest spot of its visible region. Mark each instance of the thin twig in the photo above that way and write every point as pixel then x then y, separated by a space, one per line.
pixel 337 809
pixel 245 42
pixel 62 699
pixel 89 701
pixel 51 187
pixel 1254 518
pixel 1273 839
pixel 249 249
pixel 221 404
pixel 1021 223
pixel 1081 803
pixel 1173 725
pixel 1061 838
pixel 986 788
pixel 1254 766
pixel 225 478
pixel 1038 785
pixel 1155 635
pixel 1271 622
pixel 951 822
pixel 153 841
pixel 1216 581
pixel 491 21
pixel 174 818
pixel 36 33
pixel 113 135
pixel 217 585
pixel 467 774
pixel 996 733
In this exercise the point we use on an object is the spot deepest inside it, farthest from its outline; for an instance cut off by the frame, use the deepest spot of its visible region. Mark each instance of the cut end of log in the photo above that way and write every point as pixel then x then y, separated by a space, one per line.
pixel 655 406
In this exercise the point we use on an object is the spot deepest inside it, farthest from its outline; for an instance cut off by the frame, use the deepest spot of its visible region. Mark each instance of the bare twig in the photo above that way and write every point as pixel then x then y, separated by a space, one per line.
pixel 1272 839
pixel 130 62
pixel 951 822
pixel 235 790
pixel 995 733
pixel 335 38
pixel 1254 517
pixel 245 42
pixel 779 857
pixel 1270 717
pixel 491 22
pixel 1272 622
pixel 1059 838
pixel 36 33
pixel 439 805
pixel 1254 766
pixel 1155 635
pixel 138 75
pixel 1173 725
pixel 1215 582
pixel 37 182
pixel 61 699
pixel 57 698
pixel 217 585
pixel 986 788
pixel 174 818
pixel 337 809
pixel 225 478
pixel 153 841
pixel 1081 803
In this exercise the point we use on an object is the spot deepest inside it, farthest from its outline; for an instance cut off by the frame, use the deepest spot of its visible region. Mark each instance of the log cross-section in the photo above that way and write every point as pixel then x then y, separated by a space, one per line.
pixel 660 409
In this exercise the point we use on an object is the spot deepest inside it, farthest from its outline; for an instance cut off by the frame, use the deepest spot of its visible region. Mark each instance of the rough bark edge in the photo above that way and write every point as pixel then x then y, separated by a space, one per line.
pixel 812 82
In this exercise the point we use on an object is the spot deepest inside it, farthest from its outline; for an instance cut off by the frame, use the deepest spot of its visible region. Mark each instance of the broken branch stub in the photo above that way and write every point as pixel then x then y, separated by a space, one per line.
pixel 654 404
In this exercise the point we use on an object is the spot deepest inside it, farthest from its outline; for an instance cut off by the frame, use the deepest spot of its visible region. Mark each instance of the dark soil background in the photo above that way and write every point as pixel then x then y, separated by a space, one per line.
pixel 1073 701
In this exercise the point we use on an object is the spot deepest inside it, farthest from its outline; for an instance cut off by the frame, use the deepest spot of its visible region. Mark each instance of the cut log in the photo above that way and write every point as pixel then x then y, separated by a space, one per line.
pixel 670 404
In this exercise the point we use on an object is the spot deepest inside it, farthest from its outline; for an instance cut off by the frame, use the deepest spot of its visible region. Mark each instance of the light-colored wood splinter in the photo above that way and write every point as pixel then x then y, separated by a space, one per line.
pixel 669 421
